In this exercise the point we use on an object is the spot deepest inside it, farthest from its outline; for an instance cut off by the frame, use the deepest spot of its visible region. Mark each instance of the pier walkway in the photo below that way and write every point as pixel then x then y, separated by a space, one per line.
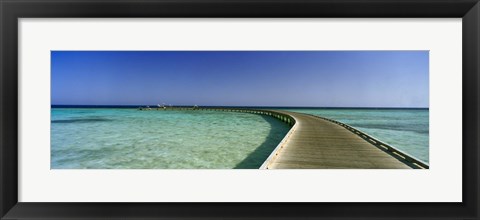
pixel 320 143
pixel 315 142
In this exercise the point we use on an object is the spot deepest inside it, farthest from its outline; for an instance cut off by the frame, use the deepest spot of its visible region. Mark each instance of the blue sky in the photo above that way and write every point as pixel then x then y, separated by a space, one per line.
pixel 241 78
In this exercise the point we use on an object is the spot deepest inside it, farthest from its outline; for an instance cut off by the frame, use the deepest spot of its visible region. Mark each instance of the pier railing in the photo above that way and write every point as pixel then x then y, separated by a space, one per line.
pixel 280 116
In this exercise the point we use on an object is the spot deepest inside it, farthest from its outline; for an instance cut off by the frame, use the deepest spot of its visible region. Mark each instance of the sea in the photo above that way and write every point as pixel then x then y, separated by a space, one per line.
pixel 122 137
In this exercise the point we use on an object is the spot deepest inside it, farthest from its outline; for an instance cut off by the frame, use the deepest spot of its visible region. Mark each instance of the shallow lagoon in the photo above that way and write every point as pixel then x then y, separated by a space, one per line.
pixel 128 138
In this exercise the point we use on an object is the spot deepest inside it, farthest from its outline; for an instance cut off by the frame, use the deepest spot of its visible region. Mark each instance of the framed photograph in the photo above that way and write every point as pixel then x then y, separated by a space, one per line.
pixel 239 109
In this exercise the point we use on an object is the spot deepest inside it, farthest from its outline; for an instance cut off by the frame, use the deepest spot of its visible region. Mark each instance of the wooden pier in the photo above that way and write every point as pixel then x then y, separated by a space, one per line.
pixel 315 142
pixel 319 143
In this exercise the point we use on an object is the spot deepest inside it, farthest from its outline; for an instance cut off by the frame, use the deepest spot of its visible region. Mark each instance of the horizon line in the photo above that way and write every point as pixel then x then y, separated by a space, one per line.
pixel 243 106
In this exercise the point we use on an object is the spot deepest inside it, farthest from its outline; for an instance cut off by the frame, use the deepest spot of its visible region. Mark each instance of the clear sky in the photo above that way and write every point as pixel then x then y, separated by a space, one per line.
pixel 241 78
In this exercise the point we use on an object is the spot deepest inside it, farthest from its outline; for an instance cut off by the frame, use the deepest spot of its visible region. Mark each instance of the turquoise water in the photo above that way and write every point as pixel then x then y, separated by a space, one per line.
pixel 128 138
pixel 404 129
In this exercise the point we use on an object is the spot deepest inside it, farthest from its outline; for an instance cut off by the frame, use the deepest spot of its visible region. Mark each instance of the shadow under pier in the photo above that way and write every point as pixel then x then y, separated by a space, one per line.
pixel 256 158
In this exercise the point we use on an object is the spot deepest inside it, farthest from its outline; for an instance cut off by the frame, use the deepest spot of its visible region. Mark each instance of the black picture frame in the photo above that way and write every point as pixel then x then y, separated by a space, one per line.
pixel 11 10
